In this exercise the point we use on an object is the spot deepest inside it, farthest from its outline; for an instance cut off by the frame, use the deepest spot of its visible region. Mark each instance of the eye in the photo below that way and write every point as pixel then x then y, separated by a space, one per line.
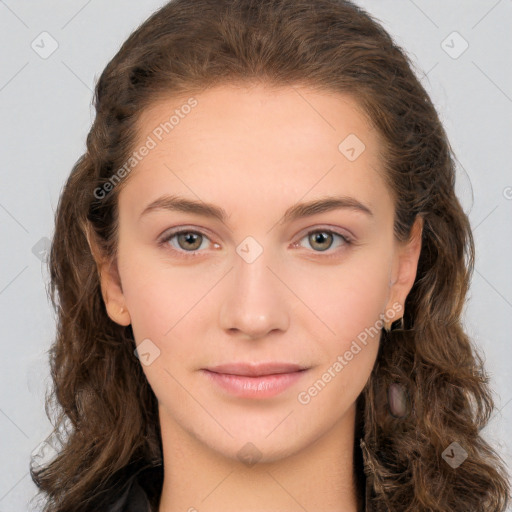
pixel 322 239
pixel 184 241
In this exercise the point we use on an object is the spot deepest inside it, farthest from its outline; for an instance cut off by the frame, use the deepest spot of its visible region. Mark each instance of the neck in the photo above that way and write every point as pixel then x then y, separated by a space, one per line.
pixel 199 479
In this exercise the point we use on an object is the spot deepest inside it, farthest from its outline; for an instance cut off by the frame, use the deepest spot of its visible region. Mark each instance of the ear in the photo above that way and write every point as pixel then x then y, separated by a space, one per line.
pixel 110 281
pixel 405 266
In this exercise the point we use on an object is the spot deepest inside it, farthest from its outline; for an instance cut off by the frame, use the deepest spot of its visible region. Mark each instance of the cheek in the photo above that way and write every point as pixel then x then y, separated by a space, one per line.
pixel 158 296
pixel 351 298
pixel 350 305
pixel 150 308
pixel 168 305
pixel 161 304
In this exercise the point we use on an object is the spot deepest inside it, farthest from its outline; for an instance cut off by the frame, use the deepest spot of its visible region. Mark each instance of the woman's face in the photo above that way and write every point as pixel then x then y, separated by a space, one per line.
pixel 259 276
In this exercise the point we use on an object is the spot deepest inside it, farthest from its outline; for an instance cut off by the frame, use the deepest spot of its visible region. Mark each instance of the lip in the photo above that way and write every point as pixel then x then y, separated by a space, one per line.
pixel 255 369
pixel 262 380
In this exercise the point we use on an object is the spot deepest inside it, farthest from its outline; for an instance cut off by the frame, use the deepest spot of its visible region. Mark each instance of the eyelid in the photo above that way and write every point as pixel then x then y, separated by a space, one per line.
pixel 344 233
pixel 183 227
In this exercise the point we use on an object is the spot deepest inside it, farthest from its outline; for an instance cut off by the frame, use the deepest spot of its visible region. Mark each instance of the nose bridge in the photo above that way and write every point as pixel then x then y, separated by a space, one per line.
pixel 255 302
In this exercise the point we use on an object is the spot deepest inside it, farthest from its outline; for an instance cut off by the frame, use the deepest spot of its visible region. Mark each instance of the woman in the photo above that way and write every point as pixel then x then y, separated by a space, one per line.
pixel 261 264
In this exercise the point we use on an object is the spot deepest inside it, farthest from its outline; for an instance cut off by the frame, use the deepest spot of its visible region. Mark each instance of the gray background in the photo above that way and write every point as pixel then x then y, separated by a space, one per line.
pixel 46 112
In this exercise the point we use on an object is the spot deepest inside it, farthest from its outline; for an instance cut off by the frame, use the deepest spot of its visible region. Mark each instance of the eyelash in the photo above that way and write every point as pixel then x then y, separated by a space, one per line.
pixel 347 241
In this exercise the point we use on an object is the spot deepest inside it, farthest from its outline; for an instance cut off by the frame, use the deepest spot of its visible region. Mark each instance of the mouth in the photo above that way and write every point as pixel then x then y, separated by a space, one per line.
pixel 256 369
pixel 263 380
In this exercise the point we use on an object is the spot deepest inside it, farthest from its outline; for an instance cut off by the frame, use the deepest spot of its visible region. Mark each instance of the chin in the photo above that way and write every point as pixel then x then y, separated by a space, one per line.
pixel 260 440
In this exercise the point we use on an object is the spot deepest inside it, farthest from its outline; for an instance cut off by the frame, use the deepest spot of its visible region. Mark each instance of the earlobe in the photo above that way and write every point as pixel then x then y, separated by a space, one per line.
pixel 110 283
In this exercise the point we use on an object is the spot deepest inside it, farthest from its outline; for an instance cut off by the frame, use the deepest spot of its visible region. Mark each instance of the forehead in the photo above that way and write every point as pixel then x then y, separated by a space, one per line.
pixel 238 109
pixel 248 141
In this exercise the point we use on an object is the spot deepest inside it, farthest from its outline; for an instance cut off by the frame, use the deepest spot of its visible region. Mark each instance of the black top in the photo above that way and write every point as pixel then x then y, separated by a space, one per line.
pixel 141 491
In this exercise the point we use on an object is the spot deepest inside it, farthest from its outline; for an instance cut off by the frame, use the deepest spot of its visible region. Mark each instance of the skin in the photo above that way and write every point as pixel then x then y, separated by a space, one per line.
pixel 256 151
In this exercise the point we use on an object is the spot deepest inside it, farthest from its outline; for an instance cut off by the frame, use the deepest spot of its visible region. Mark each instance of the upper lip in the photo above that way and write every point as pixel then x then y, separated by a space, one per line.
pixel 255 369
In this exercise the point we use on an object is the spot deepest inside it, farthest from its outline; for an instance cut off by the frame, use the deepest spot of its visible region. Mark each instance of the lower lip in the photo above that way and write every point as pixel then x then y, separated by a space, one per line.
pixel 264 386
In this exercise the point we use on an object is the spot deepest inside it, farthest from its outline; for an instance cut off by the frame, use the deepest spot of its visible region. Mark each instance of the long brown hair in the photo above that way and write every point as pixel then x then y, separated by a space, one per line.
pixel 106 407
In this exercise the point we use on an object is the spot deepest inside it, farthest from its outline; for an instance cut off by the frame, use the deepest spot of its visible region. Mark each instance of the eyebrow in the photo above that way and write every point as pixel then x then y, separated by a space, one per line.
pixel 297 211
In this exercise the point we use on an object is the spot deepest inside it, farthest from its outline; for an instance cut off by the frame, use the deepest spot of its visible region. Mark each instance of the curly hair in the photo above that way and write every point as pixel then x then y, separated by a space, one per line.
pixel 108 418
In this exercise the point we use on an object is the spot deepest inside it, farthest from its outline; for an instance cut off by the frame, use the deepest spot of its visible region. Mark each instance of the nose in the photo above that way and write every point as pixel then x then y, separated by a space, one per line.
pixel 255 300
